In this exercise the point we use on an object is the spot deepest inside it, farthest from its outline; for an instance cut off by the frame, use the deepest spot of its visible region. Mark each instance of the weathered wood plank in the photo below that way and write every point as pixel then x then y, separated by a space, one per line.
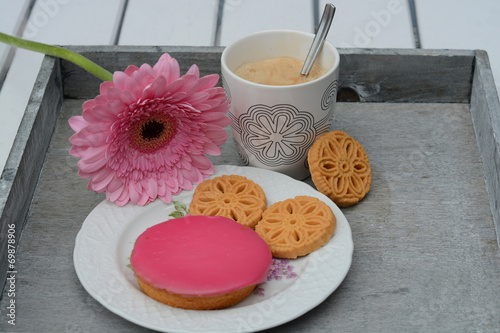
pixel 12 18
pixel 412 76
pixel 170 22
pixel 20 176
pixel 372 24
pixel 485 111
pixel 80 84
pixel 395 75
pixel 260 15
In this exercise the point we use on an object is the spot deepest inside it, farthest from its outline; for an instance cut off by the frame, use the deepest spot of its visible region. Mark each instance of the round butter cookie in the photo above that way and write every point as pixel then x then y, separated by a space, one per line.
pixel 232 196
pixel 340 168
pixel 296 227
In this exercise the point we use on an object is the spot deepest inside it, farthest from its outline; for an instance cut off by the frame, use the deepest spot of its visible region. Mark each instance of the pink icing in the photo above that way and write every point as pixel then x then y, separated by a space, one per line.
pixel 200 256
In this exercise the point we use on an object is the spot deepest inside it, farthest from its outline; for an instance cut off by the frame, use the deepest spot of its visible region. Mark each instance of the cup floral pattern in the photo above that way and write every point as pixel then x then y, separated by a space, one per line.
pixel 281 134
pixel 277 135
pixel 329 96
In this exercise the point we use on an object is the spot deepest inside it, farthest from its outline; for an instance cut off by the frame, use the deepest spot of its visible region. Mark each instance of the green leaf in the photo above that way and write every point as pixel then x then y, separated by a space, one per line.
pixel 180 206
pixel 176 214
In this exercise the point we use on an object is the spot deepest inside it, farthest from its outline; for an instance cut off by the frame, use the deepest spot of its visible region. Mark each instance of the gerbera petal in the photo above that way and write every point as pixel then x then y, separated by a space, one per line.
pixel 119 79
pixel 174 86
pixel 91 167
pixel 77 123
pixel 115 107
pixel 123 198
pixel 178 96
pixel 181 84
pixel 114 93
pixel 167 66
pixel 211 149
pixel 101 99
pixel 88 104
pixel 130 70
pixel 103 88
pixel 193 175
pixel 99 175
pixel 145 199
pixel 167 197
pixel 196 97
pixel 86 138
pixel 93 154
pixel 132 86
pixel 216 133
pixel 151 187
pixel 114 195
pixel 161 188
pixel 186 161
pixel 203 106
pixel 100 113
pixel 127 97
pixel 208 81
pixel 115 185
pixel 191 85
pixel 219 120
pixel 186 184
pixel 135 196
pixel 194 70
pixel 144 76
pixel 201 162
pixel 103 183
pixel 172 184
pixel 77 151
pixel 158 88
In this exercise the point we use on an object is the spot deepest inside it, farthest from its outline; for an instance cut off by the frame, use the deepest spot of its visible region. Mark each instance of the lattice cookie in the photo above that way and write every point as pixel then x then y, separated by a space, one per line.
pixel 296 227
pixel 232 196
pixel 340 168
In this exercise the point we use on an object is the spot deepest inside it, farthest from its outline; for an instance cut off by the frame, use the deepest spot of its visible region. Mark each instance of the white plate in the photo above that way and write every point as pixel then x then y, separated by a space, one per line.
pixel 105 241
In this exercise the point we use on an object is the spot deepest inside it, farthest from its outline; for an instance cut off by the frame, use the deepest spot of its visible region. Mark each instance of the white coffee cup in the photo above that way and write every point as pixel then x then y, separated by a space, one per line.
pixel 274 126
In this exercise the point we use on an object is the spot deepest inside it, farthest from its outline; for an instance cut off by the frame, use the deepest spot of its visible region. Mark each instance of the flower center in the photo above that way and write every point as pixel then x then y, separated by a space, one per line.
pixel 152 130
pixel 151 134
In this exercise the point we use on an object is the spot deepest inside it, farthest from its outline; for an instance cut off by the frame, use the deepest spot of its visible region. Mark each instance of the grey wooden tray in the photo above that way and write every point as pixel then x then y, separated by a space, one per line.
pixel 426 255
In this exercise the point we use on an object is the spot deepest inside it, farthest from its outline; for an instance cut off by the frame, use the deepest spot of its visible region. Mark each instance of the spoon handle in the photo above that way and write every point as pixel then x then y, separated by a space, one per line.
pixel 321 32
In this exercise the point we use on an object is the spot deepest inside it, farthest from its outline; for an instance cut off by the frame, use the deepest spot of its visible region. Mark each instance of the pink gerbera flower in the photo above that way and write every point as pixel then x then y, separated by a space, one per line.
pixel 148 132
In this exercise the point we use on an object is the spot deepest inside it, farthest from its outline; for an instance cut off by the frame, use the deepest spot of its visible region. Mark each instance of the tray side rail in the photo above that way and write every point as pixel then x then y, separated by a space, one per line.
pixel 20 176
pixel 485 113
pixel 366 75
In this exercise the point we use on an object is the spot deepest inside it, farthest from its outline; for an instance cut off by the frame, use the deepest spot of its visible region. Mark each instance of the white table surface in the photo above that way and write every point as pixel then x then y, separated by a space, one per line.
pixel 442 24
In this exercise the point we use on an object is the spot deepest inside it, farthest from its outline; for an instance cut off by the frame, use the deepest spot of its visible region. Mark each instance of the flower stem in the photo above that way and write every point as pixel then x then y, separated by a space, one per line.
pixel 59 52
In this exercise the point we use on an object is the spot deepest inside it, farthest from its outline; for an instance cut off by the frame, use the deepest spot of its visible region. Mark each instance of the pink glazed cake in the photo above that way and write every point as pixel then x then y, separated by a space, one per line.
pixel 200 262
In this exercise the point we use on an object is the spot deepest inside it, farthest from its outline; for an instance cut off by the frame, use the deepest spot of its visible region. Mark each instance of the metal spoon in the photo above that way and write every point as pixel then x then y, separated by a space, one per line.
pixel 317 43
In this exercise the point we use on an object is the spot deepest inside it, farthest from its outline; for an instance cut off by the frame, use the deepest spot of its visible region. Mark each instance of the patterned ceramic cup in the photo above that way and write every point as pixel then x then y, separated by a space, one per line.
pixel 274 126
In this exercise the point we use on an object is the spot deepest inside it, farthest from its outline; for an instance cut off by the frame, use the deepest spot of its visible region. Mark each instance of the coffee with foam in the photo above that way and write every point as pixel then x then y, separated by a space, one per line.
pixel 280 71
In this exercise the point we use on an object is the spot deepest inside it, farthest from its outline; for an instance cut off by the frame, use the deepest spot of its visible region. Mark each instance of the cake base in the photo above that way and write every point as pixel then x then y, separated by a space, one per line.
pixel 193 302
